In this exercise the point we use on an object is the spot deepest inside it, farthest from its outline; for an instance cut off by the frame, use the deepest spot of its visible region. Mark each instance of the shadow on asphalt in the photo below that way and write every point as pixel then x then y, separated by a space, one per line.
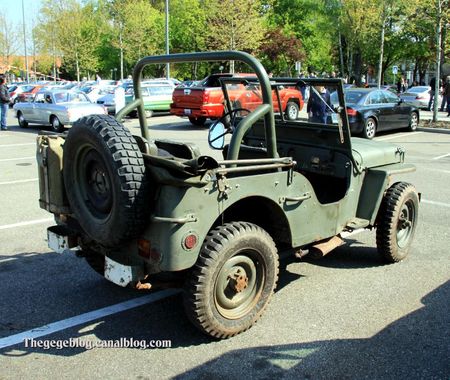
pixel 416 346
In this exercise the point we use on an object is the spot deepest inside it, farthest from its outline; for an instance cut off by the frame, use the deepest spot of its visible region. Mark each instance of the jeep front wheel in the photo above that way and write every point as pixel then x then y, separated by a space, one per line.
pixel 232 282
pixel 397 220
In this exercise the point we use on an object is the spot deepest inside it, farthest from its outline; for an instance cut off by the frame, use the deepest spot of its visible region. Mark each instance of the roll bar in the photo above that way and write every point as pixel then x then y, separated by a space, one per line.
pixel 267 112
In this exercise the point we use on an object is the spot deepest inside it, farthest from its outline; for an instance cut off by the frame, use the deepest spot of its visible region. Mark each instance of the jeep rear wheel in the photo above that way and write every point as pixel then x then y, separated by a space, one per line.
pixel 397 220
pixel 197 121
pixel 105 181
pixel 232 282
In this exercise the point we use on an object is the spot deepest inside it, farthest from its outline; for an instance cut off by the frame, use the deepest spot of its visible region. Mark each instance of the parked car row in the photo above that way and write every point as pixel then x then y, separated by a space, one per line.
pixel 369 110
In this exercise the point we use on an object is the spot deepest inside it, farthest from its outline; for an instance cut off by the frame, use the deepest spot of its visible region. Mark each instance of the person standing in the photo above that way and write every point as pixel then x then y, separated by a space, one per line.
pixel 4 103
pixel 447 94
pixel 318 105
pixel 432 85
pixel 444 92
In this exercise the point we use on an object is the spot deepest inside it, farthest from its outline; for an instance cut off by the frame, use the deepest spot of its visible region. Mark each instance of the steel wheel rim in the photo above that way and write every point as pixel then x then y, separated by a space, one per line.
pixel 405 224
pixel 94 183
pixel 230 303
pixel 370 128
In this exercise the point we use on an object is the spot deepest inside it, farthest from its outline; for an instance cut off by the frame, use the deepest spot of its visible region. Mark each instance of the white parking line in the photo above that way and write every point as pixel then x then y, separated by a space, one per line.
pixel 84 318
pixel 397 136
pixel 441 204
pixel 19 181
pixel 439 157
pixel 13 145
pixel 17 159
pixel 29 223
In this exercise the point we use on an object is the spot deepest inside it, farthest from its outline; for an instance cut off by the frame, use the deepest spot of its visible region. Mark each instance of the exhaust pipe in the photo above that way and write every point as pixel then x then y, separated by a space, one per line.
pixel 319 250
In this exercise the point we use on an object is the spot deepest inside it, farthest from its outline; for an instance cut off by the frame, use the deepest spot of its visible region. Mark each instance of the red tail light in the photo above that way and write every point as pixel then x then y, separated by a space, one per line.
pixel 418 97
pixel 205 97
pixel 351 112
pixel 12 93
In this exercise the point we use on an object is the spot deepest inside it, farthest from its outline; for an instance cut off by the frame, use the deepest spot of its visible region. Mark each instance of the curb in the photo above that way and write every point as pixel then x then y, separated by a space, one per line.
pixel 433 130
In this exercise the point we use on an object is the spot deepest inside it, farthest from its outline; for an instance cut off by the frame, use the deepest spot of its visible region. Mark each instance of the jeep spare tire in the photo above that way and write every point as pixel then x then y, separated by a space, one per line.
pixel 105 180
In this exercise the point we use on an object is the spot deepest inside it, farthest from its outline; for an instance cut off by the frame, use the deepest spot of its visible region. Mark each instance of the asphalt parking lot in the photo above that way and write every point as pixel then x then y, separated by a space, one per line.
pixel 345 316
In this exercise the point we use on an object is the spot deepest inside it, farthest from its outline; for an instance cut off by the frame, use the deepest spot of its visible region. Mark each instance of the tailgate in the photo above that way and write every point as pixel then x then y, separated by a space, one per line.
pixel 188 97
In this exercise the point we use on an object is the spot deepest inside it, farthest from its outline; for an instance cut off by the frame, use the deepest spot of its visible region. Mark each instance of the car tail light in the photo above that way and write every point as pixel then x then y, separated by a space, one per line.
pixel 351 112
pixel 419 97
pixel 205 97
pixel 12 93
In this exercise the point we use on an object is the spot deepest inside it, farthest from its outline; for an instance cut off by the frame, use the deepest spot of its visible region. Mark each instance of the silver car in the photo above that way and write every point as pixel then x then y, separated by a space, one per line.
pixel 56 108
pixel 418 96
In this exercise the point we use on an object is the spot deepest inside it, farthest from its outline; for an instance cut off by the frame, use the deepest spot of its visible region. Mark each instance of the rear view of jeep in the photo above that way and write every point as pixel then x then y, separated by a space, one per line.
pixel 145 211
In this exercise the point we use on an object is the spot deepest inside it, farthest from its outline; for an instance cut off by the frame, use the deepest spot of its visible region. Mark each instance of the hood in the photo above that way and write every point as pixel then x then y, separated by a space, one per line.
pixel 370 154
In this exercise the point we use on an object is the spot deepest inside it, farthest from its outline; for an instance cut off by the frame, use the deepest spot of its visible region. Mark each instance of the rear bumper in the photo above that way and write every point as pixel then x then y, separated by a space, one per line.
pixel 215 112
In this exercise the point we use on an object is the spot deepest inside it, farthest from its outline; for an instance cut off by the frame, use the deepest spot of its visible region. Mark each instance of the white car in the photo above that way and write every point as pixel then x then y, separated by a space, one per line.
pixel 56 108
pixel 419 96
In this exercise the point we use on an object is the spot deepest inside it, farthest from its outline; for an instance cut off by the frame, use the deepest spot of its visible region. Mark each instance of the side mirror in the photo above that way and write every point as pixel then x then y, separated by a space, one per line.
pixel 400 101
pixel 216 136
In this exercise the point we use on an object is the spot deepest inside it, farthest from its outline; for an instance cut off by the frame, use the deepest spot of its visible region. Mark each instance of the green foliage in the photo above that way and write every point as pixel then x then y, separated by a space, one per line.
pixel 279 52
pixel 311 22
pixel 91 35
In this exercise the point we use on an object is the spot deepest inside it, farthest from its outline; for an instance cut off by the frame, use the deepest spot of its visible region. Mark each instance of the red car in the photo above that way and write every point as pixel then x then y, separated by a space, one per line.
pixel 207 101
pixel 27 96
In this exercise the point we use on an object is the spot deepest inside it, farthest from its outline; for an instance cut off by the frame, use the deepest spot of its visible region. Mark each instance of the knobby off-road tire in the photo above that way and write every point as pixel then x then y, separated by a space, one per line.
pixel 397 220
pixel 105 179
pixel 232 282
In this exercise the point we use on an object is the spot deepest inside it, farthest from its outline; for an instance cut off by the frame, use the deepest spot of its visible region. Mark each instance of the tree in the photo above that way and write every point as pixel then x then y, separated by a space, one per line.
pixel 76 39
pixel 280 51
pixel 9 39
pixel 234 25
pixel 187 34
pixel 311 22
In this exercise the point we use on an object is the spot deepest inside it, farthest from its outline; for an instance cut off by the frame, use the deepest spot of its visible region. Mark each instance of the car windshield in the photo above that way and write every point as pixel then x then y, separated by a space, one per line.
pixel 27 88
pixel 70 97
pixel 163 90
pixel 86 89
pixel 418 89
pixel 351 97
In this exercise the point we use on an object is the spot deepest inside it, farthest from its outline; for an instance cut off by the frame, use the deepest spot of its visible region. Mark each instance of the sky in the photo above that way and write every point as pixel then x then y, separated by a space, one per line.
pixel 13 10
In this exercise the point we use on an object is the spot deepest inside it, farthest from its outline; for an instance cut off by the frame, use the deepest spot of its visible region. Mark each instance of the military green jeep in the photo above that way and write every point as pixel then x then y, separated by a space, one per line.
pixel 146 212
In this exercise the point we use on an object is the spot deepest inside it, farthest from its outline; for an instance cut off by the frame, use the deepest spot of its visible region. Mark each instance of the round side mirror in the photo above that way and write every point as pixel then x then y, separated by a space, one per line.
pixel 216 136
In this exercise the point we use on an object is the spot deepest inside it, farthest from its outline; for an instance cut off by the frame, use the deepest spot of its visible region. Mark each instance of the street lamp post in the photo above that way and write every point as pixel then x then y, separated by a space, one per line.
pixel 167 38
pixel 25 42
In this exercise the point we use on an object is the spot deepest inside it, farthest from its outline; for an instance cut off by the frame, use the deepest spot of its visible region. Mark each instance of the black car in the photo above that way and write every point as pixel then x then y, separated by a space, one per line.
pixel 371 110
